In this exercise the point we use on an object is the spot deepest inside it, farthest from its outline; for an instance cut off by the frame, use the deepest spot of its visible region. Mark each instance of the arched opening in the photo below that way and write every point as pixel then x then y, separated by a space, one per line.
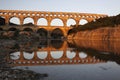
pixel 57 44
pixel 28 29
pixel 43 33
pixel 1 29
pixel 83 21
pixel 57 22
pixel 70 54
pixel 82 55
pixel 28 55
pixel 2 21
pixel 15 55
pixel 71 22
pixel 14 21
pixel 56 54
pixel 14 32
pixel 42 54
pixel 43 43
pixel 42 21
pixel 12 29
pixel 28 21
pixel 57 34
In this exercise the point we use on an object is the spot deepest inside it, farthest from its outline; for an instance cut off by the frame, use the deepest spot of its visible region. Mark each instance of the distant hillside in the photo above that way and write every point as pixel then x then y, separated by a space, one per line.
pixel 112 21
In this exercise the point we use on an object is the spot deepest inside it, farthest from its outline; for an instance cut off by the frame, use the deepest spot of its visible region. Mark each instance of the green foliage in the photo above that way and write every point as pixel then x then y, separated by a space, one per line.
pixel 102 22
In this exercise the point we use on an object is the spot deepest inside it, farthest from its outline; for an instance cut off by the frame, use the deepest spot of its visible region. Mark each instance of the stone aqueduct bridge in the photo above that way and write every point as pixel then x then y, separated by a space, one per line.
pixel 49 16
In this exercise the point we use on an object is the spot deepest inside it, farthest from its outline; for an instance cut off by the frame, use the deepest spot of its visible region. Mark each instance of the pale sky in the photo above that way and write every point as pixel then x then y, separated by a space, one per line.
pixel 109 7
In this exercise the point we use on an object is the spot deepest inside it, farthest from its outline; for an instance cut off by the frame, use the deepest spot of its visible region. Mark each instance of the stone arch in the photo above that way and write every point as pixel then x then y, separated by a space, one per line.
pixel 15 55
pixel 71 22
pixel 57 44
pixel 28 29
pixel 43 43
pixel 28 55
pixel 57 22
pixel 12 29
pixel 1 29
pixel 42 54
pixel 56 54
pixel 28 20
pixel 57 34
pixel 82 55
pixel 83 21
pixel 42 21
pixel 43 33
pixel 2 20
pixel 14 20
pixel 70 54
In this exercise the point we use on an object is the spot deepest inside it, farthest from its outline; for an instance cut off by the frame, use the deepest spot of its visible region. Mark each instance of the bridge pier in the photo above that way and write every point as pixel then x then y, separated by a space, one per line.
pixel 21 20
pixel 49 35
pixel 7 20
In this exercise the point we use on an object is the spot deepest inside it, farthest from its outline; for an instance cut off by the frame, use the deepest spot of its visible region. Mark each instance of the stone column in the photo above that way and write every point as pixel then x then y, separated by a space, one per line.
pixel 21 20
pixel 49 20
pixel 21 56
pixel 7 20
pixel 77 22
pixel 35 20
pixel 65 22
pixel 35 55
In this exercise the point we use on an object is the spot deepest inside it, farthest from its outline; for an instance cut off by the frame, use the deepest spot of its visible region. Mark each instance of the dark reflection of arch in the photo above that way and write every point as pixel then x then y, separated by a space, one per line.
pixel 28 29
pixel 57 43
pixel 1 29
pixel 43 33
pixel 57 34
pixel 2 21
pixel 43 43
pixel 12 29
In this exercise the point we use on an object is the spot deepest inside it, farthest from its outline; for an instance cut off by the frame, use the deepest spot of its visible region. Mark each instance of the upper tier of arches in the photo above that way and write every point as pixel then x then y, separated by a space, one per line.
pixel 48 18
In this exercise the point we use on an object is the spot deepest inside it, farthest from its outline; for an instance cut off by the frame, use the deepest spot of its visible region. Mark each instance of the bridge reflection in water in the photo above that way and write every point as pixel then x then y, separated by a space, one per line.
pixel 78 59
pixel 60 52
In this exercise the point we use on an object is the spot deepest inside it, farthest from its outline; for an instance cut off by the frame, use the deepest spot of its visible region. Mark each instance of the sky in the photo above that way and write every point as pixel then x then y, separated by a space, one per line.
pixel 109 7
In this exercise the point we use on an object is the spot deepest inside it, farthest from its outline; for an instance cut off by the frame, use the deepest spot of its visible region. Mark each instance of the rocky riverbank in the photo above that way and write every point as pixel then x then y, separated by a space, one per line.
pixel 106 33
pixel 7 71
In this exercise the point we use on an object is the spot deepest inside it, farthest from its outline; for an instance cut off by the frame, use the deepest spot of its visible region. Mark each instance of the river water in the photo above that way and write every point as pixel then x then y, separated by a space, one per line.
pixel 63 60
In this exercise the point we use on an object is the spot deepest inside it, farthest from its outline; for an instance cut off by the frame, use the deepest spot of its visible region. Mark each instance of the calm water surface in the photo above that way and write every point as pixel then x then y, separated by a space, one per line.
pixel 62 60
